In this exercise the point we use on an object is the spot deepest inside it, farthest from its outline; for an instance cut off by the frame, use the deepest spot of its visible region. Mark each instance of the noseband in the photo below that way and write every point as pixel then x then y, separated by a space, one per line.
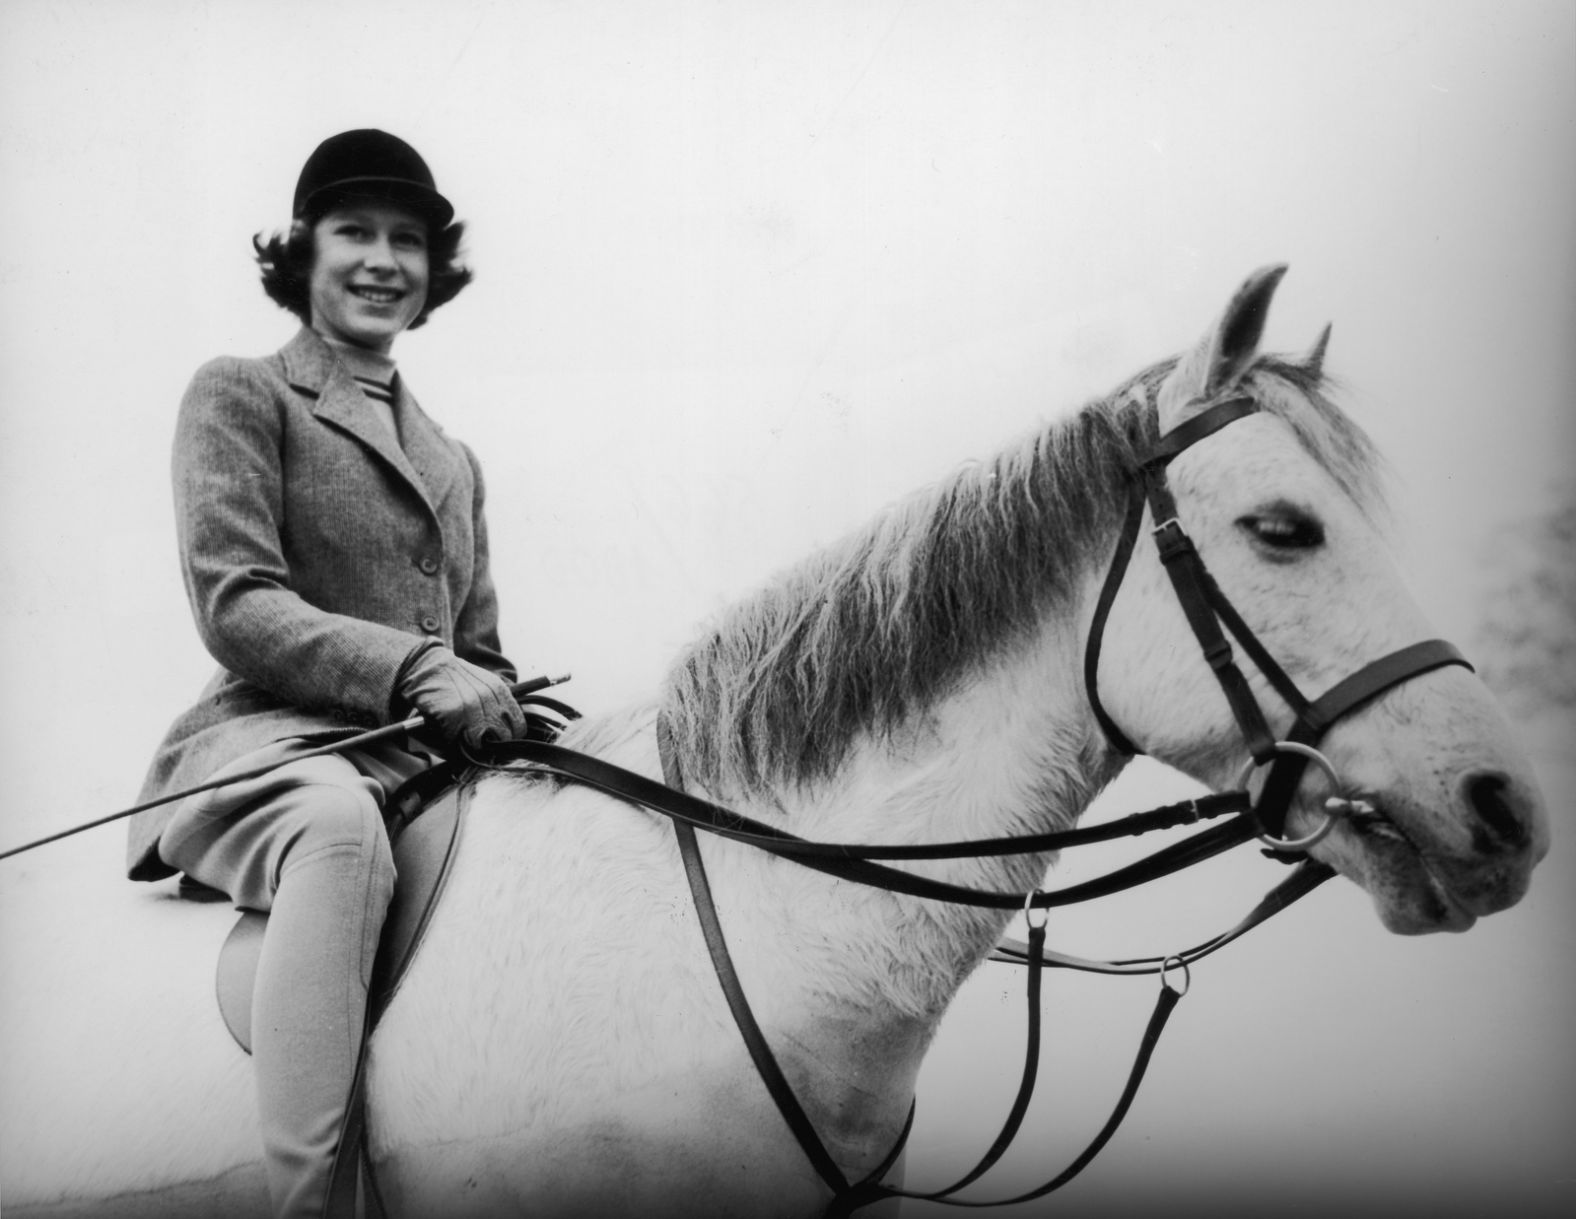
pixel 1211 615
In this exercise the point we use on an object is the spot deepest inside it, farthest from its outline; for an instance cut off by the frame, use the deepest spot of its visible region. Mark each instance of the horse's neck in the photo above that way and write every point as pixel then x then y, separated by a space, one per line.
pixel 850 982
pixel 858 978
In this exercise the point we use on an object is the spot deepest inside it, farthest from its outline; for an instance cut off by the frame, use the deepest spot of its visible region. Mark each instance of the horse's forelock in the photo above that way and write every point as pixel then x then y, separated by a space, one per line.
pixel 1301 396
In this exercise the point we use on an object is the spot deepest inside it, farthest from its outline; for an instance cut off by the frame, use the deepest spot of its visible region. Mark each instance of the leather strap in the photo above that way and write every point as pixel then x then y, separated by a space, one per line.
pixel 1374 679
pixel 766 1064
pixel 844 862
pixel 766 837
pixel 1191 583
pixel 1165 1003
pixel 755 1042
pixel 1280 681
pixel 341 1199
pixel 1123 555
pixel 1026 1081
pixel 1205 423
pixel 1188 577
pixel 1345 697
pixel 1309 875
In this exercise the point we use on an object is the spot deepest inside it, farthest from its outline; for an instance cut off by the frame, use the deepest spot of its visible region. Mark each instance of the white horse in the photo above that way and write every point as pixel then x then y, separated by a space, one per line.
pixel 561 1045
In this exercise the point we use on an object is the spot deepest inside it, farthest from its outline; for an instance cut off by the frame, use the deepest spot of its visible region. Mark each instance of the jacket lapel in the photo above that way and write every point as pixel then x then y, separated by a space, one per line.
pixel 426 448
pixel 312 369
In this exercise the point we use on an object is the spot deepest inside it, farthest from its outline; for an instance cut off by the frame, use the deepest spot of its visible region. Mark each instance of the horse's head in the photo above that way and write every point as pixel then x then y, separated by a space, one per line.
pixel 1281 506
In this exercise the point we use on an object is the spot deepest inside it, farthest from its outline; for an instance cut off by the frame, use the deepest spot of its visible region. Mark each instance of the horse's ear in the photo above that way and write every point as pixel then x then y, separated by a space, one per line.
pixel 1314 360
pixel 1224 353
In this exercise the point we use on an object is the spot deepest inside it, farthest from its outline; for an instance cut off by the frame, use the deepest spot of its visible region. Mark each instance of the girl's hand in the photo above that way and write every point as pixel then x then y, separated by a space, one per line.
pixel 459 700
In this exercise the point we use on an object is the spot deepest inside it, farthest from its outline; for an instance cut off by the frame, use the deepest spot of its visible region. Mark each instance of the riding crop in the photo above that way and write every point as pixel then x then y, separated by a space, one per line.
pixel 520 690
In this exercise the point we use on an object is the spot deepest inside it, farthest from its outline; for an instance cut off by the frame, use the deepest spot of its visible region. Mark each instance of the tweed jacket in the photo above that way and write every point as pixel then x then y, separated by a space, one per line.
pixel 319 553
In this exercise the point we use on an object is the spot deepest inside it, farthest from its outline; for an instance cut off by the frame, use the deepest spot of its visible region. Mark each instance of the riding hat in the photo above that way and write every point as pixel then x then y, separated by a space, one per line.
pixel 368 163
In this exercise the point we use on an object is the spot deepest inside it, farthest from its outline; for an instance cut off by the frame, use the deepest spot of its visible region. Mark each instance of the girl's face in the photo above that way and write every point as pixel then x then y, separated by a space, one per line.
pixel 370 274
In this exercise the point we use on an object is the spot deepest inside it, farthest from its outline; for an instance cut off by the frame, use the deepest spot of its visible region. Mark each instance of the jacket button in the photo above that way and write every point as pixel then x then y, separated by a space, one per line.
pixel 429 623
pixel 429 565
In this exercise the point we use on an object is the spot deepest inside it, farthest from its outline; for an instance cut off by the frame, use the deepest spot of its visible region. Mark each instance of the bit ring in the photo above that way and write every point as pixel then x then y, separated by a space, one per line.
pixel 1187 975
pixel 1324 764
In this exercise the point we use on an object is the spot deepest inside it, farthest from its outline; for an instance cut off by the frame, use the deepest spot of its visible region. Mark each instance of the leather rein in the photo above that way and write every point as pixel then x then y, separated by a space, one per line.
pixel 1211 617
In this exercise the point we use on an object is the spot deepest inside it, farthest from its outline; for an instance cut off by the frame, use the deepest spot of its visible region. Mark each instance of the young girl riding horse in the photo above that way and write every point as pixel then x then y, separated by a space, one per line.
pixel 334 549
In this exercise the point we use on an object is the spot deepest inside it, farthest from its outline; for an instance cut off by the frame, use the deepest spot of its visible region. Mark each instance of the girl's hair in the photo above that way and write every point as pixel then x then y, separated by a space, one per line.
pixel 285 262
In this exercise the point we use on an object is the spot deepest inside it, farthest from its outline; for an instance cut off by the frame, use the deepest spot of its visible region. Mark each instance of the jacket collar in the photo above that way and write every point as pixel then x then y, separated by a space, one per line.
pixel 421 456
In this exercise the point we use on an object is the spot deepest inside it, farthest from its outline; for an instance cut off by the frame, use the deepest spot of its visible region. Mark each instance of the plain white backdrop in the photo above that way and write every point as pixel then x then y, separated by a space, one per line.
pixel 747 271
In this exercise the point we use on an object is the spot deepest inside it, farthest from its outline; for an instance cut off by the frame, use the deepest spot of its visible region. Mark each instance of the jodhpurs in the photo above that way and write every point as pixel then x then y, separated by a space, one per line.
pixel 306 843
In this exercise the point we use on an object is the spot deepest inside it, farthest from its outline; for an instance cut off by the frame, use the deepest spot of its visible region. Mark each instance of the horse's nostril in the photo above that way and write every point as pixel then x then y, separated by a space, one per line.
pixel 1492 796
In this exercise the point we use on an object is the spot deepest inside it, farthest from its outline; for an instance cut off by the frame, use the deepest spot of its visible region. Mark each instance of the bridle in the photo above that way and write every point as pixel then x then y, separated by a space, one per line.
pixel 1211 617
pixel 1208 610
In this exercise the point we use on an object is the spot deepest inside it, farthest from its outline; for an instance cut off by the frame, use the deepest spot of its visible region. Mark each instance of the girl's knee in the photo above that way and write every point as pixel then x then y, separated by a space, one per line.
pixel 335 813
pixel 344 822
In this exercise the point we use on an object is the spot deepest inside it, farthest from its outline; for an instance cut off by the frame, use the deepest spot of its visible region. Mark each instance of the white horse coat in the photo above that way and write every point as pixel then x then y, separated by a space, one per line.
pixel 561 1046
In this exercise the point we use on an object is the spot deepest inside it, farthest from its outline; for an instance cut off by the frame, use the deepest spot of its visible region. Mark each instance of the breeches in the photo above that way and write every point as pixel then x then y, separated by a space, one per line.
pixel 305 843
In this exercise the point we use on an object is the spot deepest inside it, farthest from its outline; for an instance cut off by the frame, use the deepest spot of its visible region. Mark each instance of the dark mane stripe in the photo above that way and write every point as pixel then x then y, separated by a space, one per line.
pixel 876 628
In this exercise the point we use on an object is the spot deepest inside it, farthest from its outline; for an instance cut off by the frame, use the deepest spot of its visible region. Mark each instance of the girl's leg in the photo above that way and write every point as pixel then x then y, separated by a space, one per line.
pixel 311 850
pixel 311 998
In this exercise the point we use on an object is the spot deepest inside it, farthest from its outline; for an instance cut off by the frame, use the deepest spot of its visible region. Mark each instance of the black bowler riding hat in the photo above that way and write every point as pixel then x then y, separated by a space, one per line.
pixel 368 164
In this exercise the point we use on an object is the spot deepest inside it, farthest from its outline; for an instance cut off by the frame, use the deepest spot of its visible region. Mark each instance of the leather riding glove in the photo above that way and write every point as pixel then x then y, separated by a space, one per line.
pixel 460 701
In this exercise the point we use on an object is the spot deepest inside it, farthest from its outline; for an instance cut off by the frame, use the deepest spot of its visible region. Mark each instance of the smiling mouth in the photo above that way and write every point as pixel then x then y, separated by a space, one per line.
pixel 376 296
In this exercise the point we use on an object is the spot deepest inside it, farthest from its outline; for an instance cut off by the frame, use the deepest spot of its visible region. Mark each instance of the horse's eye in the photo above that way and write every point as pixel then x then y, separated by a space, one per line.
pixel 1284 530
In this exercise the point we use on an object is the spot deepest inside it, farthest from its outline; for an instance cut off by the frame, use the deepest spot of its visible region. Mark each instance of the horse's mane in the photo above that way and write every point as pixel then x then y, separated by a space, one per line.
pixel 876 628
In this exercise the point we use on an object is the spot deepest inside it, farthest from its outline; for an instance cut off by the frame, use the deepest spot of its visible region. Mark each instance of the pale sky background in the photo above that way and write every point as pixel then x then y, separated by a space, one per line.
pixel 746 272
